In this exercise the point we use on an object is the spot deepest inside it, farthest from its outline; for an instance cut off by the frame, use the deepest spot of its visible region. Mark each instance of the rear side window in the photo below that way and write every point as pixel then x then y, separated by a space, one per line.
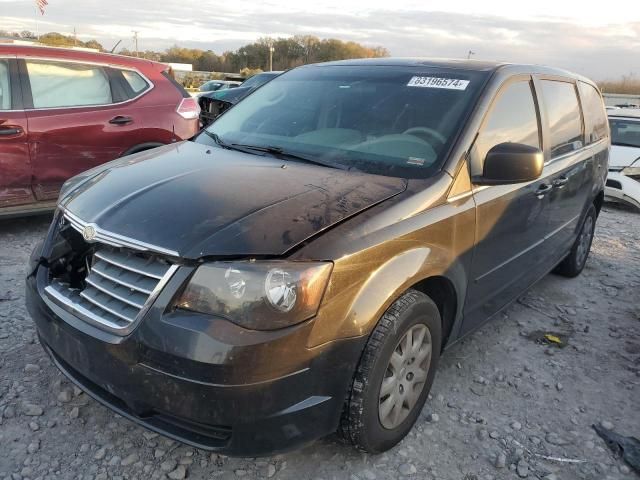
pixel 62 84
pixel 595 119
pixel 513 118
pixel 563 111
pixel 135 81
pixel 5 86
pixel 625 133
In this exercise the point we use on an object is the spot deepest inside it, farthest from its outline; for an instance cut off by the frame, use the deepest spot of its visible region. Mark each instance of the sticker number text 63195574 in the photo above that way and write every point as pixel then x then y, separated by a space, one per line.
pixel 437 82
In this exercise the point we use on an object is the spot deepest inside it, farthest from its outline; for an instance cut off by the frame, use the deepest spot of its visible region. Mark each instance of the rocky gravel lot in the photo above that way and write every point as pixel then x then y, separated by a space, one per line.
pixel 505 404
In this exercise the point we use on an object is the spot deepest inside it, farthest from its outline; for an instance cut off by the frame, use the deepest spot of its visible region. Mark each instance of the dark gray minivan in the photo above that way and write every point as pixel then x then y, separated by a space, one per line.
pixel 298 267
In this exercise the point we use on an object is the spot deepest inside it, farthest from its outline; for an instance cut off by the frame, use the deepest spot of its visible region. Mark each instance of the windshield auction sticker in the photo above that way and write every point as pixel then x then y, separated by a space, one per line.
pixel 437 82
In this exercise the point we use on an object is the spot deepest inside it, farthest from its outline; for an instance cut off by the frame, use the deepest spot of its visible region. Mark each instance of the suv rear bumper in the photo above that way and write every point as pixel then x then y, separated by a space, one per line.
pixel 221 406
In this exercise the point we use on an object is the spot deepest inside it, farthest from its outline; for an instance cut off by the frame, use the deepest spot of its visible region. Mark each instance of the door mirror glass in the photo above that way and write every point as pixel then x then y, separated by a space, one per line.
pixel 511 163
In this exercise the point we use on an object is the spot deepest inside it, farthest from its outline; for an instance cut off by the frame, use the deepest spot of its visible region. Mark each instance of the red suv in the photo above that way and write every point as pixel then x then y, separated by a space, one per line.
pixel 64 111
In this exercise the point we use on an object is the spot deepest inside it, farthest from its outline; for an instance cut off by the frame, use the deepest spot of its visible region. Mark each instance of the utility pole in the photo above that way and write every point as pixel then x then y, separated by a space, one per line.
pixel 271 49
pixel 75 37
pixel 469 54
pixel 135 39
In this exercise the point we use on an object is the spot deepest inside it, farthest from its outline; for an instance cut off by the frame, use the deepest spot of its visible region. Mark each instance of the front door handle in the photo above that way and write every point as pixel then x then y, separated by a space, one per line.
pixel 121 120
pixel 560 182
pixel 543 189
pixel 8 131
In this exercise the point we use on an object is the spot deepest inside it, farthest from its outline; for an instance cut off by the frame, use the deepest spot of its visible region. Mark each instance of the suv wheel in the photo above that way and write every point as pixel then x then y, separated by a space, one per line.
pixel 574 263
pixel 394 375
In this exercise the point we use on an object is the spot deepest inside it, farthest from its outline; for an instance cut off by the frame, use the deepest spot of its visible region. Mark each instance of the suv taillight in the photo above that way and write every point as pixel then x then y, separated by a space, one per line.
pixel 189 108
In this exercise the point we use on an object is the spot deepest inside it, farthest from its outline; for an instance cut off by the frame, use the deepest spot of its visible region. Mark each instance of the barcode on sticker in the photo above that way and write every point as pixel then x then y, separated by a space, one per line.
pixel 438 82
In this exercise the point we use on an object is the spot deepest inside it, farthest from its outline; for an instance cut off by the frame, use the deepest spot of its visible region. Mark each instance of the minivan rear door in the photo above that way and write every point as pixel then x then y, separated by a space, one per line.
pixel 77 120
pixel 15 165
pixel 570 160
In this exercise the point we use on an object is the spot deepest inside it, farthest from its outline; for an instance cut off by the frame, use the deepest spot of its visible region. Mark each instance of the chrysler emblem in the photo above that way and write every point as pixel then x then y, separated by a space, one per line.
pixel 88 233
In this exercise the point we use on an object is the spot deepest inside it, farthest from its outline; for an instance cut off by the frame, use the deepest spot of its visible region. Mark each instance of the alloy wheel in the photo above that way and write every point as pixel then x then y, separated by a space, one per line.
pixel 405 376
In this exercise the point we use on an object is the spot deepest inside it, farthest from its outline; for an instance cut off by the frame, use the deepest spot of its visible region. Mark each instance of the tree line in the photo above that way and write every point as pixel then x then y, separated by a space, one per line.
pixel 287 52
pixel 53 39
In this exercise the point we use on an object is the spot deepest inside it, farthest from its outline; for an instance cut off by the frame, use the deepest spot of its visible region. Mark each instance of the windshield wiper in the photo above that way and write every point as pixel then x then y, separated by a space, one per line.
pixel 282 153
pixel 273 150
pixel 216 138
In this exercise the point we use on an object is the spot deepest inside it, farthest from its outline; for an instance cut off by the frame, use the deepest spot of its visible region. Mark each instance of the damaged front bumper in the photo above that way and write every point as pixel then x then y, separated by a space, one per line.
pixel 200 379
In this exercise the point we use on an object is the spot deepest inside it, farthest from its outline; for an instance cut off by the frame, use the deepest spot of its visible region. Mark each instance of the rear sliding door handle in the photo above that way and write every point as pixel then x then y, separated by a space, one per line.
pixel 560 182
pixel 543 189
pixel 121 120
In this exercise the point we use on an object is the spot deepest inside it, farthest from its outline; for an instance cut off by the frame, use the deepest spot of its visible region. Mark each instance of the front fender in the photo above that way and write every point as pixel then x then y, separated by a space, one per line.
pixel 358 301
pixel 386 250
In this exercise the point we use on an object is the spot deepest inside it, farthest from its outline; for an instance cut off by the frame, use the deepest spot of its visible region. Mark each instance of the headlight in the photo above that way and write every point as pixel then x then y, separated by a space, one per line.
pixel 631 171
pixel 259 295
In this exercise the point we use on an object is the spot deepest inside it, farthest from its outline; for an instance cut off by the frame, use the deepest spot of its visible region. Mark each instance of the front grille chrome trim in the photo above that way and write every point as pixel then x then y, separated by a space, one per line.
pixel 122 284
pixel 53 293
pixel 156 291
pixel 114 239
pixel 106 308
pixel 118 263
pixel 98 271
pixel 96 284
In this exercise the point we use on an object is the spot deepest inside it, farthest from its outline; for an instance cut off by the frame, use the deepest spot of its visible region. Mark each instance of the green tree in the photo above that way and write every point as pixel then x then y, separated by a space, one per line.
pixel 288 52
pixel 93 44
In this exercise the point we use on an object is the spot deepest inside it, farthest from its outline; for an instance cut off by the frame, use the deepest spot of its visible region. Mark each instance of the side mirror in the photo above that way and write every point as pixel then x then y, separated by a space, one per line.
pixel 511 163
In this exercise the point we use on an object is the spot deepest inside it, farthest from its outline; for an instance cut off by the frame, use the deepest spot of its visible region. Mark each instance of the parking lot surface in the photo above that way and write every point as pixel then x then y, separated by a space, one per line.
pixel 507 402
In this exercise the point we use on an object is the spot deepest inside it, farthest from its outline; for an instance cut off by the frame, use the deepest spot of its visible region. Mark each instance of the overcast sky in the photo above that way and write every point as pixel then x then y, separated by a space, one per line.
pixel 600 42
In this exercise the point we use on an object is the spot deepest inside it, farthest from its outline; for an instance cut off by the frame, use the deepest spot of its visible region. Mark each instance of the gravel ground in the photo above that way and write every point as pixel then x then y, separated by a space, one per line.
pixel 502 404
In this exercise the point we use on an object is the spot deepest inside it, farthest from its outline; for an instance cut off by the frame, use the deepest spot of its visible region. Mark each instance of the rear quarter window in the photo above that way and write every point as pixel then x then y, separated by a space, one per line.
pixel 595 118
pixel 137 83
pixel 563 115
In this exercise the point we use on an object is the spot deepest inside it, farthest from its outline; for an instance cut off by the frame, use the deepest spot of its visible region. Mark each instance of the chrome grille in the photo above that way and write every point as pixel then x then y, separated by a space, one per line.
pixel 120 287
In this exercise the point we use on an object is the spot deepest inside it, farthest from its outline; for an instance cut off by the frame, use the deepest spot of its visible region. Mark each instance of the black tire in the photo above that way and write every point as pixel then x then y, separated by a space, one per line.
pixel 574 263
pixel 361 424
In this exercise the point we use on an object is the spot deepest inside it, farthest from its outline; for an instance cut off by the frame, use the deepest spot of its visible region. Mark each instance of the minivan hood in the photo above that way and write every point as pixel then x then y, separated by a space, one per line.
pixel 196 201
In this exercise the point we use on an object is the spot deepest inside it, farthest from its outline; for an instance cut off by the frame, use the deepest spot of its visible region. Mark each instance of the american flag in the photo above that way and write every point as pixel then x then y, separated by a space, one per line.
pixel 41 4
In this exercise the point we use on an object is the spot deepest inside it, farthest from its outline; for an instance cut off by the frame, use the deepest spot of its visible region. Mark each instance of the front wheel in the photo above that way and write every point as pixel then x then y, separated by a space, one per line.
pixel 574 263
pixel 394 375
